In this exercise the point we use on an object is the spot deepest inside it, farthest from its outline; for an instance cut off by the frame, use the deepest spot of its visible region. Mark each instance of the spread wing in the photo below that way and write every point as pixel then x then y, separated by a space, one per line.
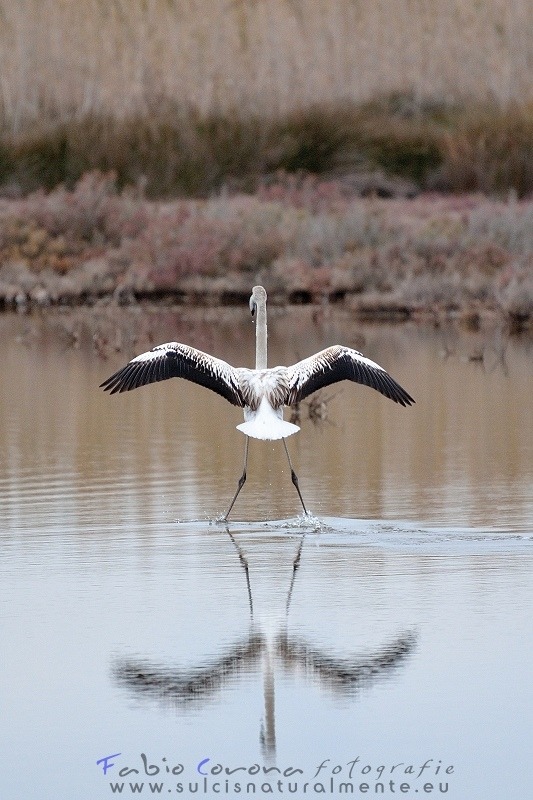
pixel 175 360
pixel 339 363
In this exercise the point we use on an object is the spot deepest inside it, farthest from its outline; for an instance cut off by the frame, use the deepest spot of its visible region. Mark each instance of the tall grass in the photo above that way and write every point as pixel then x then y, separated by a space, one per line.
pixel 187 95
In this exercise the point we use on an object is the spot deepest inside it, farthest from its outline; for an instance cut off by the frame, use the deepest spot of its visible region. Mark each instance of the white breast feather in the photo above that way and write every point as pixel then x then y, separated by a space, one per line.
pixel 265 392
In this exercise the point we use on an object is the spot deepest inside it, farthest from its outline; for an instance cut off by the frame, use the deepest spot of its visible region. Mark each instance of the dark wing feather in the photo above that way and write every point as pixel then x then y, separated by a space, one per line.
pixel 174 360
pixel 339 363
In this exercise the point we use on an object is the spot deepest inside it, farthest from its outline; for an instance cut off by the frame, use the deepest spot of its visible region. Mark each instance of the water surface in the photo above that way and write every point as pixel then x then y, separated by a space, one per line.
pixel 393 628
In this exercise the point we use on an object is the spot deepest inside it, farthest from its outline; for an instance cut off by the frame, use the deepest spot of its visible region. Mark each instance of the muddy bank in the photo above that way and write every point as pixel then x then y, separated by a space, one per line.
pixel 306 240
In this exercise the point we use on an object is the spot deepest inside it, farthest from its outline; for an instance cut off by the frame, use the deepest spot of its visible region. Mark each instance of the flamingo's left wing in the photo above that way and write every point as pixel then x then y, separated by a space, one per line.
pixel 175 360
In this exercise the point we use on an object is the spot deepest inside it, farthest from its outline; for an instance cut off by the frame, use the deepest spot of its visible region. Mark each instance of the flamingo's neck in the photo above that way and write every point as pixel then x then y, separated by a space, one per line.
pixel 261 336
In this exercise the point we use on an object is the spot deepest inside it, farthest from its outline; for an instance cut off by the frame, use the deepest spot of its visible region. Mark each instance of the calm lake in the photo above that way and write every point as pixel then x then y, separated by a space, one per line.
pixel 380 648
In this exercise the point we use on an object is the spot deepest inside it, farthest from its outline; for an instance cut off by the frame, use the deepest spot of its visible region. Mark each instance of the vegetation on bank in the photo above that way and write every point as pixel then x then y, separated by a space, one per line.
pixel 306 239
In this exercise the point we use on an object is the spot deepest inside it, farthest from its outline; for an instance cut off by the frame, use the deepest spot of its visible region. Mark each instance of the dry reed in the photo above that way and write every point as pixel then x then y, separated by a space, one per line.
pixel 61 59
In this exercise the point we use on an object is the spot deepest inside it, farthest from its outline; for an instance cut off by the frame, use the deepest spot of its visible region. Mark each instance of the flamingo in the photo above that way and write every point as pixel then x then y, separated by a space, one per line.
pixel 261 392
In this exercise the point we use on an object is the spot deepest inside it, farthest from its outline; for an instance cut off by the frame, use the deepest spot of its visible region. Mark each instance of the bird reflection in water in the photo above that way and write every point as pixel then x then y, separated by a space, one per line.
pixel 194 687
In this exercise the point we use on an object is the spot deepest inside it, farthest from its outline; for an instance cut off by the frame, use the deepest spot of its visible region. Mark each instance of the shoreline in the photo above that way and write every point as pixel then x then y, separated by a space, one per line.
pixel 370 311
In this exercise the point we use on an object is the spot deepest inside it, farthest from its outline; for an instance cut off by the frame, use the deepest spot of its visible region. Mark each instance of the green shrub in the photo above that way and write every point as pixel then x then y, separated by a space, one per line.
pixel 173 151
